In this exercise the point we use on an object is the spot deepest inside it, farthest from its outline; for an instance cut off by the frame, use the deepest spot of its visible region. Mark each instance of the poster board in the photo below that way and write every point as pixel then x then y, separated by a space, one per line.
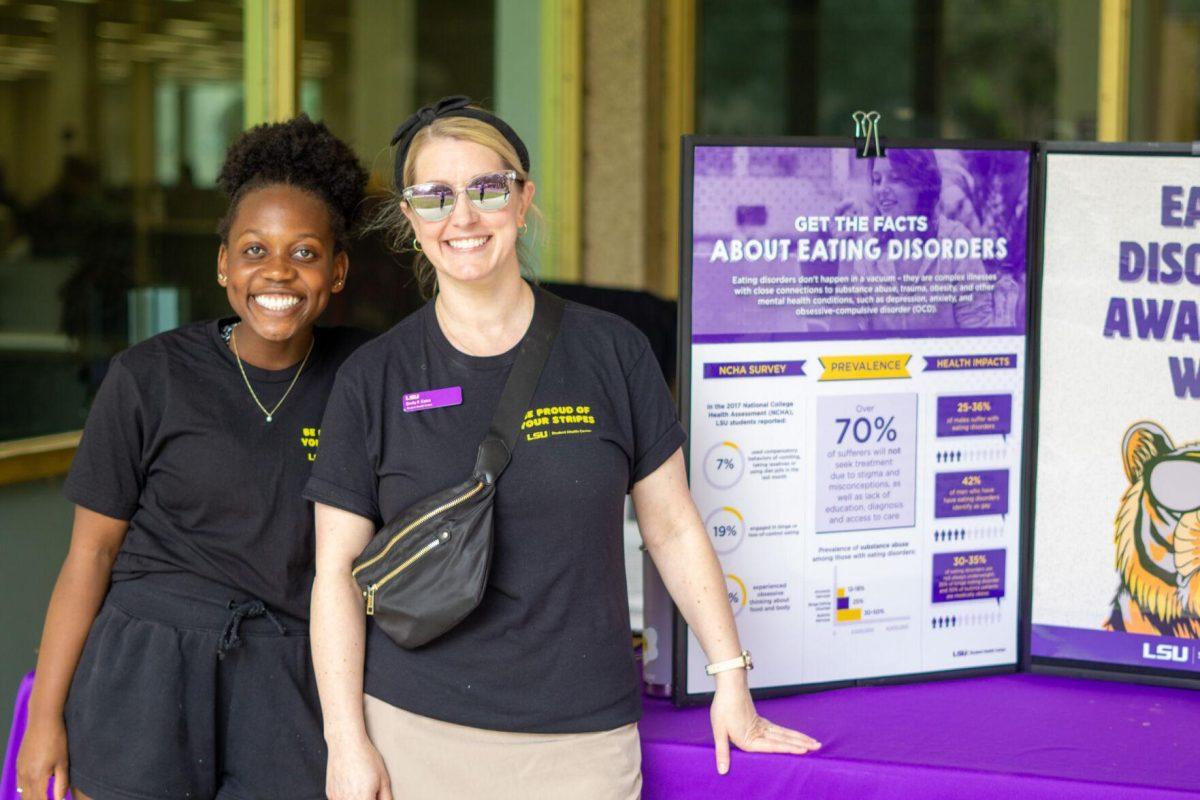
pixel 1114 583
pixel 853 380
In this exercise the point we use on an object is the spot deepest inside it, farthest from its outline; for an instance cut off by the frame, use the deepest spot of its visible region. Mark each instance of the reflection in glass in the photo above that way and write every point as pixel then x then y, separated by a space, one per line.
pixel 365 68
pixel 1164 101
pixel 114 118
pixel 1003 69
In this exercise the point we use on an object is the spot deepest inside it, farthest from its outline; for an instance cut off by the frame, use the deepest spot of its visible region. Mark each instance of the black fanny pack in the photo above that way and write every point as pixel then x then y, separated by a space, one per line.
pixel 427 568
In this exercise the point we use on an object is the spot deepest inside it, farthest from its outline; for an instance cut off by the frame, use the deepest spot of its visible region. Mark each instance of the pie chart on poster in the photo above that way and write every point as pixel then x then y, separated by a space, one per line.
pixel 724 465
pixel 726 529
pixel 735 588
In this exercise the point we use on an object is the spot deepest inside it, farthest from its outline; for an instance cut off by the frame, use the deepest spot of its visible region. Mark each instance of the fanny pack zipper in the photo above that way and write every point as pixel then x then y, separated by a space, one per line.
pixel 416 522
pixel 369 593
pixel 442 538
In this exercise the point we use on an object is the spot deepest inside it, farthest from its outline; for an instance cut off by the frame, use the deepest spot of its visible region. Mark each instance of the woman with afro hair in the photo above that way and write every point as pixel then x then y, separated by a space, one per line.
pixel 174 659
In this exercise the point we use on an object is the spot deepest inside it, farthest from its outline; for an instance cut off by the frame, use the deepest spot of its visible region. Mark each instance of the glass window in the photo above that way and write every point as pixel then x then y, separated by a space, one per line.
pixel 114 118
pixel 1164 96
pixel 983 69
pixel 365 67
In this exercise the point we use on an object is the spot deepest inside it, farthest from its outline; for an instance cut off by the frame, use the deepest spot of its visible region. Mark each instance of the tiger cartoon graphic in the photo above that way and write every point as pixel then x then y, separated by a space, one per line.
pixel 1157 536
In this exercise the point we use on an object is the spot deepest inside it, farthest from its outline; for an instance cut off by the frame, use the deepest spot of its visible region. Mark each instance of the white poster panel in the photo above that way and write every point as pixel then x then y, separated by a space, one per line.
pixel 855 391
pixel 1117 520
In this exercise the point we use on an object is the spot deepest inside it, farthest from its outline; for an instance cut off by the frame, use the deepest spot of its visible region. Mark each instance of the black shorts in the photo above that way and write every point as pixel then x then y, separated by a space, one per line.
pixel 188 690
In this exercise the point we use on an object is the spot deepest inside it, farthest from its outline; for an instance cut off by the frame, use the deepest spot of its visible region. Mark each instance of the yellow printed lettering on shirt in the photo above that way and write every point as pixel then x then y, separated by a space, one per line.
pixel 558 420
pixel 310 440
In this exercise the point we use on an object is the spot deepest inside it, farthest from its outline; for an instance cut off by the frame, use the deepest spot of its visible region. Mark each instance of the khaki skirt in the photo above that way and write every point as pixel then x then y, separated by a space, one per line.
pixel 428 758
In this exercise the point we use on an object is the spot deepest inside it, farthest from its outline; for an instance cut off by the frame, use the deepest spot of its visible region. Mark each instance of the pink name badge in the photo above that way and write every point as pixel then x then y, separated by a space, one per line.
pixel 434 398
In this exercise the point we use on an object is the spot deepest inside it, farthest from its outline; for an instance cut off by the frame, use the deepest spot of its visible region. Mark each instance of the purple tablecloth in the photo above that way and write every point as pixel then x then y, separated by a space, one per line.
pixel 8 778
pixel 1009 737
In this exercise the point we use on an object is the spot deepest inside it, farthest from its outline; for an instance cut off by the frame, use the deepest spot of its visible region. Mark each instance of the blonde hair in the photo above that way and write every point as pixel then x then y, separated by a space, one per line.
pixel 399 231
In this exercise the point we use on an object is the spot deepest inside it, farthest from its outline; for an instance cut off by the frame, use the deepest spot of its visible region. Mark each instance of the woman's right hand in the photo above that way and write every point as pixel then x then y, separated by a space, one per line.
pixel 78 594
pixel 43 756
pixel 356 772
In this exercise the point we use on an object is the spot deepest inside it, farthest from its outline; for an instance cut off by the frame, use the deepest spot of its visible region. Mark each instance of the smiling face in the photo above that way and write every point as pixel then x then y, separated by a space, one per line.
pixel 280 264
pixel 893 197
pixel 470 245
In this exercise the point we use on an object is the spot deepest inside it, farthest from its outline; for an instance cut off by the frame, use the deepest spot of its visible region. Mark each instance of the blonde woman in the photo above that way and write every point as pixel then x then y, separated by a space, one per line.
pixel 535 693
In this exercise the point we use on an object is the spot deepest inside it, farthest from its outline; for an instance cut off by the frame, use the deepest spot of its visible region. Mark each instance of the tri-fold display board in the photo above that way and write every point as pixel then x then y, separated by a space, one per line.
pixel 858 380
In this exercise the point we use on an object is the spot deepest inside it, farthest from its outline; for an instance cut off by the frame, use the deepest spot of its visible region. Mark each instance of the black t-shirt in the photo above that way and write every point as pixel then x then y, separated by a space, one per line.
pixel 175 444
pixel 548 649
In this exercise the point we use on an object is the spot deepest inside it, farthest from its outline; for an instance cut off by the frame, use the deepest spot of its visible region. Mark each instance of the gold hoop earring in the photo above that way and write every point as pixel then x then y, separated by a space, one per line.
pixel 417 245
pixel 524 229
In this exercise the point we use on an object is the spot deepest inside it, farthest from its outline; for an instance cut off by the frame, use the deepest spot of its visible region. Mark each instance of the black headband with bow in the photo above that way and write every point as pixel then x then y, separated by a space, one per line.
pixel 454 106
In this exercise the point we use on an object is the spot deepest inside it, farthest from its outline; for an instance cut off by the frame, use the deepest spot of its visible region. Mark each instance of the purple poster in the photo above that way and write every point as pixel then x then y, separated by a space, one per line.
pixel 815 243
pixel 855 371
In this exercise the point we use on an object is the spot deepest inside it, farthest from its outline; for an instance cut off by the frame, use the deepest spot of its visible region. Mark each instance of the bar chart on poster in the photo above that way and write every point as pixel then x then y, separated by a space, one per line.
pixel 855 386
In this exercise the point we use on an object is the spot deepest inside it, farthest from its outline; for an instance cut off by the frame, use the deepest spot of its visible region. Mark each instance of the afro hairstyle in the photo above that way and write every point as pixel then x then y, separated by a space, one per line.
pixel 299 153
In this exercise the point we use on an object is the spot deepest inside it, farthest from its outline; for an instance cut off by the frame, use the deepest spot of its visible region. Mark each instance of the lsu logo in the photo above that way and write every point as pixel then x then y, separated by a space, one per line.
pixel 1165 652
pixel 1157 537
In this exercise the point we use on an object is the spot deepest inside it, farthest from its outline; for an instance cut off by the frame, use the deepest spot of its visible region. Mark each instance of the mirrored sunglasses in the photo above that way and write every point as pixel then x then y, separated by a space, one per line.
pixel 435 201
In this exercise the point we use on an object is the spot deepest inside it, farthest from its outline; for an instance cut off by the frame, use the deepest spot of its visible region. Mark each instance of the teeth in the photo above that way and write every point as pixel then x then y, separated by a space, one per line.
pixel 467 244
pixel 276 302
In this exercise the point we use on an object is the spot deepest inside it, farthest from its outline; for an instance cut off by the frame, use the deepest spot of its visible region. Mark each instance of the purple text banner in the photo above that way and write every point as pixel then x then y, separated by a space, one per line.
pixel 1115 647
pixel 971 494
pixel 974 415
pixel 978 361
pixel 755 369
pixel 974 575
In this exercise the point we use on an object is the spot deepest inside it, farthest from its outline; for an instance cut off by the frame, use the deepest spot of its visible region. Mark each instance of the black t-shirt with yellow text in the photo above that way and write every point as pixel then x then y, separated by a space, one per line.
pixel 548 649
pixel 175 444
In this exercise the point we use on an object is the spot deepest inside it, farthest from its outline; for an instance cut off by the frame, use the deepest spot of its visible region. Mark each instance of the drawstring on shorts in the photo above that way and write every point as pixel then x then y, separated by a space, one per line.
pixel 248 609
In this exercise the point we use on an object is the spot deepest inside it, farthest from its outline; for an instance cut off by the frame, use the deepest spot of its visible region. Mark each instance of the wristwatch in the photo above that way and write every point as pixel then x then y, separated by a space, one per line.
pixel 742 661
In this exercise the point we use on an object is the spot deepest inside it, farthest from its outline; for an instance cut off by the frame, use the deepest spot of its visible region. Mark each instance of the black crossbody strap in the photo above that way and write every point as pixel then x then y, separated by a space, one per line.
pixel 497 446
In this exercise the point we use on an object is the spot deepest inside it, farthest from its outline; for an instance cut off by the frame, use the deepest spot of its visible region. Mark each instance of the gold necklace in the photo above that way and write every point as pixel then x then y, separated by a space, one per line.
pixel 269 414
pixel 454 340
pixel 446 330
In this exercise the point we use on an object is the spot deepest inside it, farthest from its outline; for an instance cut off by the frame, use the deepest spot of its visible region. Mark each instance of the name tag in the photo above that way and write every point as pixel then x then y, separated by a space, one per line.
pixel 434 398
